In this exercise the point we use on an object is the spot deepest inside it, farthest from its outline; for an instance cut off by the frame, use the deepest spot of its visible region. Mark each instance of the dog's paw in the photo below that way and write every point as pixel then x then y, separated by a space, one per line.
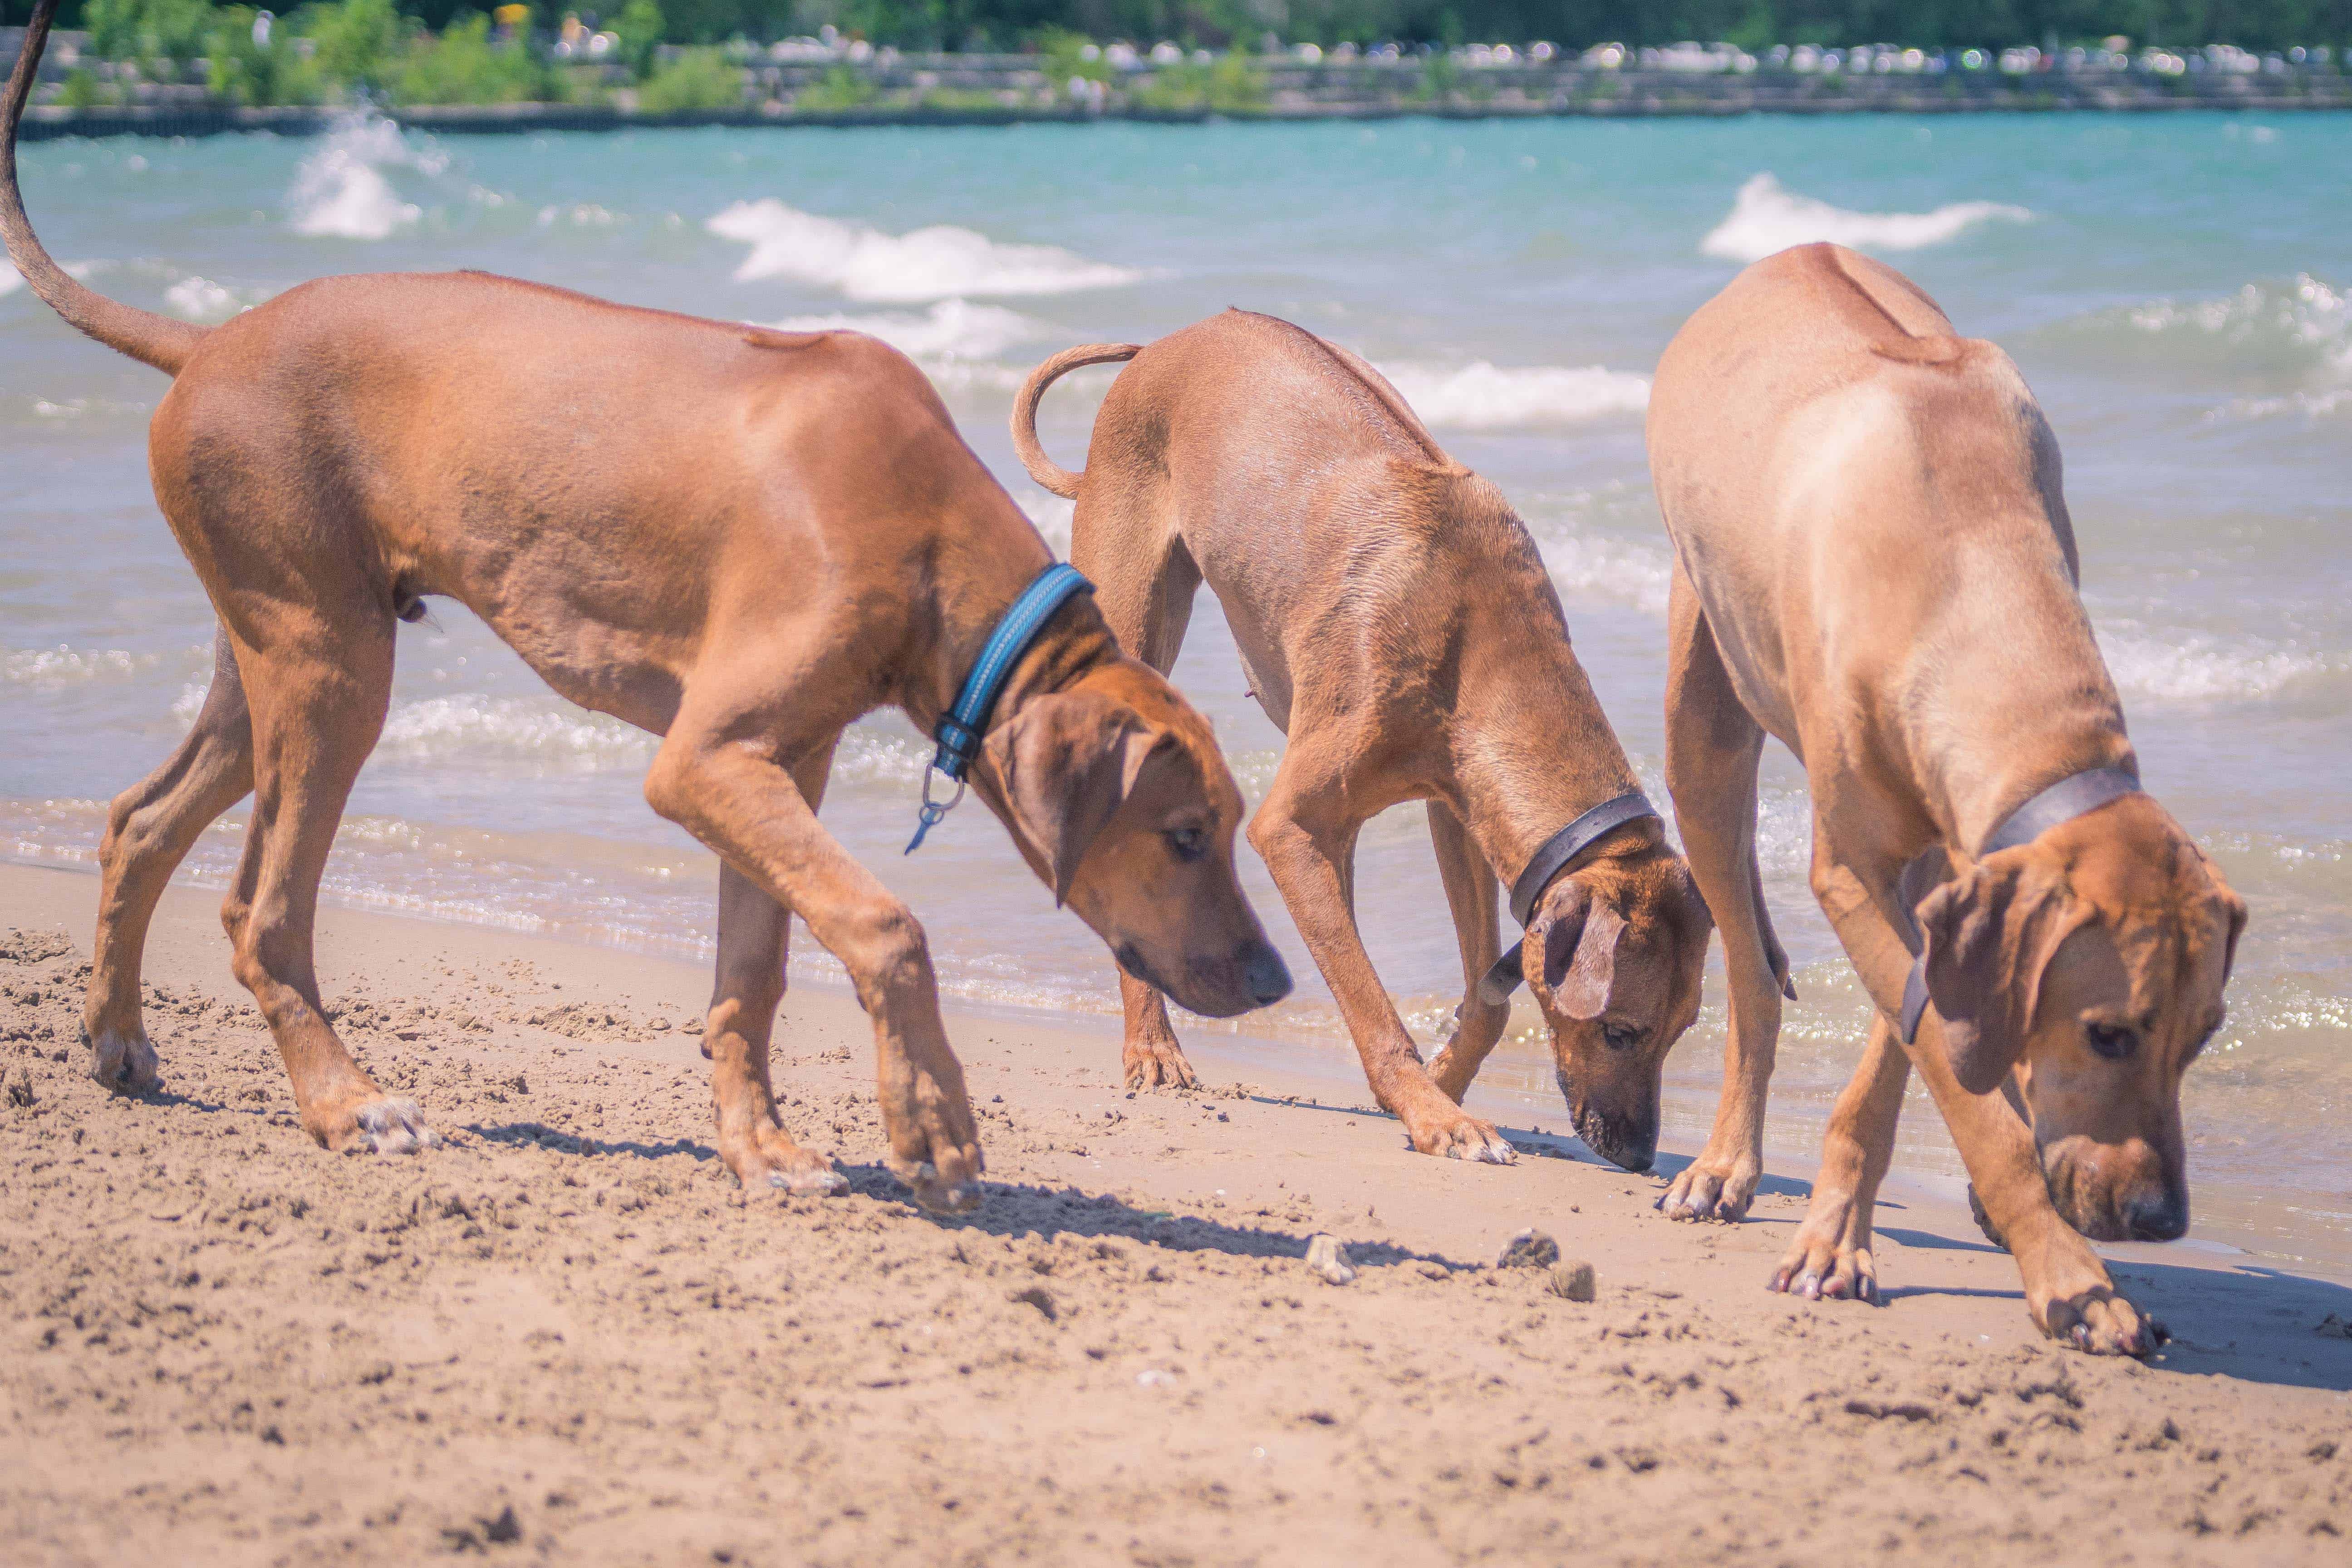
pixel 1158 1064
pixel 2100 1322
pixel 1826 1270
pixel 1711 1189
pixel 1461 1137
pixel 772 1162
pixel 124 1061
pixel 383 1126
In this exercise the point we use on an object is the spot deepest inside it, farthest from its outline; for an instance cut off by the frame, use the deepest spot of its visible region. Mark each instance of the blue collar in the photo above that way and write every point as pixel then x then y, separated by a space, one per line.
pixel 961 726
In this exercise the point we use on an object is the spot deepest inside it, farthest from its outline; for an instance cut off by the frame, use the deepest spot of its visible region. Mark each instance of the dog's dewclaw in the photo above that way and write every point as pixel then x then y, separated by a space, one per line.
pixel 1572 1281
pixel 1326 1259
pixel 1528 1249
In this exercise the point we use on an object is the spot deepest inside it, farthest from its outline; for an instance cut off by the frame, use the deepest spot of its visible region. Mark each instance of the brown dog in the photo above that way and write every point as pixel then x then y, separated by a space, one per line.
pixel 737 540
pixel 1397 624
pixel 1874 564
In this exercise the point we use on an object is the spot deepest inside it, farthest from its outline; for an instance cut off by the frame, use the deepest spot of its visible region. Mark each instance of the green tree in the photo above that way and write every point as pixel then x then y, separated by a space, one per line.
pixel 640 29
pixel 245 72
pixel 149 29
pixel 357 43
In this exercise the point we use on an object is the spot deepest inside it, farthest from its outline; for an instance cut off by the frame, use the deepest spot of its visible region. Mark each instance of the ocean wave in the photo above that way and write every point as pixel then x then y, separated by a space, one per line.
pixel 64 666
pixel 861 262
pixel 1593 566
pixel 2292 338
pixel 10 278
pixel 952 330
pixel 1766 217
pixel 1483 396
pixel 476 725
pixel 1051 513
pixel 2205 669
pixel 202 300
pixel 340 192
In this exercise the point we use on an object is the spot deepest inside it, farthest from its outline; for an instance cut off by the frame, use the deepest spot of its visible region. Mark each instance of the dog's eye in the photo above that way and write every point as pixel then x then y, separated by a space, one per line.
pixel 2113 1041
pixel 1187 843
pixel 1620 1037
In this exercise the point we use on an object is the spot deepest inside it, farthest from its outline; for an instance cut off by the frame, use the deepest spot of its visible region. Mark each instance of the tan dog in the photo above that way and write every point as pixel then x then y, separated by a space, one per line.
pixel 1397 622
pixel 1874 564
pixel 736 540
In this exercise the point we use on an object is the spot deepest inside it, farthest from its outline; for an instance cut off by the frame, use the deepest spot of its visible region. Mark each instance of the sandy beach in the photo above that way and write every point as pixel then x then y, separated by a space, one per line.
pixel 567 1335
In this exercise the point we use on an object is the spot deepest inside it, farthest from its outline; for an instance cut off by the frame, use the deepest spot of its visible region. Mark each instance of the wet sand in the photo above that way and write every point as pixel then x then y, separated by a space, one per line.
pixel 567 1335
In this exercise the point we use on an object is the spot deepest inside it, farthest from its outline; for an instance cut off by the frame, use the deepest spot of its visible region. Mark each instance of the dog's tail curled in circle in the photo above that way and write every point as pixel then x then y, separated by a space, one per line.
pixel 1042 468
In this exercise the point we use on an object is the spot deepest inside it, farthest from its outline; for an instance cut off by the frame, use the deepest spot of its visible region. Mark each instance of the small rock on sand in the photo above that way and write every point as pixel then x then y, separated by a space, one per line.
pixel 1572 1281
pixel 1528 1249
pixel 1328 1258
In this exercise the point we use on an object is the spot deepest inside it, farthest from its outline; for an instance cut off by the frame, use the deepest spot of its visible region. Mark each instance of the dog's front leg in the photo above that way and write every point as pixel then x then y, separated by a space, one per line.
pixel 754 935
pixel 1831 1254
pixel 2068 1291
pixel 1151 1056
pixel 749 811
pixel 1310 856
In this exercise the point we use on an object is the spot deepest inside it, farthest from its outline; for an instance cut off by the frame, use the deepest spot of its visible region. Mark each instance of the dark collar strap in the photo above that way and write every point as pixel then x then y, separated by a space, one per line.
pixel 2075 795
pixel 961 726
pixel 1544 866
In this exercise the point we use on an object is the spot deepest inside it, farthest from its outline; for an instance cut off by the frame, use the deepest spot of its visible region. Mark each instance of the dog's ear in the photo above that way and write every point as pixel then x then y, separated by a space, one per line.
pixel 2232 911
pixel 1991 935
pixel 1572 950
pixel 1066 764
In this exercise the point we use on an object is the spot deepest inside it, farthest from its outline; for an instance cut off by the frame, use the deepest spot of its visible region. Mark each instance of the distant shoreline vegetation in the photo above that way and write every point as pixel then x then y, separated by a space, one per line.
pixel 181 64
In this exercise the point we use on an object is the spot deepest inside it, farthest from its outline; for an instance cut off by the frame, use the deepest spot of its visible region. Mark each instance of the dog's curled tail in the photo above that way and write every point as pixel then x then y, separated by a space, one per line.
pixel 143 335
pixel 1042 468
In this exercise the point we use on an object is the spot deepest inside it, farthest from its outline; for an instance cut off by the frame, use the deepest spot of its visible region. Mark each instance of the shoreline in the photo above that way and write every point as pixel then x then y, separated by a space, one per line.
pixel 567 1328
pixel 1671 99
pixel 2226 1231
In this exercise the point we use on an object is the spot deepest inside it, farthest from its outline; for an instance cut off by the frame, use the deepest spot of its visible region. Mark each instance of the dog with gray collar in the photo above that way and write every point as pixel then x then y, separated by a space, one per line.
pixel 1873 564
pixel 1397 625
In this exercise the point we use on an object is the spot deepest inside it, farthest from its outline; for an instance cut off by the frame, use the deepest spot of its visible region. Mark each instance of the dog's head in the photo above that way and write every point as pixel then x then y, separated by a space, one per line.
pixel 1118 795
pixel 1614 956
pixel 2085 970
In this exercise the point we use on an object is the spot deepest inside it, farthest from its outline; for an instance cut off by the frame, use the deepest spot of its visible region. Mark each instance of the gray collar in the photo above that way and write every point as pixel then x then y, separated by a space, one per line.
pixel 2075 795
pixel 1552 858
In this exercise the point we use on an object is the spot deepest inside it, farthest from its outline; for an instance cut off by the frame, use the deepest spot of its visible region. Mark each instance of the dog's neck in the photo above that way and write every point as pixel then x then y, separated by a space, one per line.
pixel 1533 755
pixel 1983 741
pixel 1074 640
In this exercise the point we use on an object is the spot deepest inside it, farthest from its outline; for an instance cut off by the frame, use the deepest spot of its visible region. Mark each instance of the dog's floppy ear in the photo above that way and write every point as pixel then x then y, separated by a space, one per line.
pixel 1990 933
pixel 1571 952
pixel 1066 764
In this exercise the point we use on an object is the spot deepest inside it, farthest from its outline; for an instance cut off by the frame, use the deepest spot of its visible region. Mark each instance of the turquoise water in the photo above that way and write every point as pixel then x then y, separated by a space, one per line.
pixel 2172 285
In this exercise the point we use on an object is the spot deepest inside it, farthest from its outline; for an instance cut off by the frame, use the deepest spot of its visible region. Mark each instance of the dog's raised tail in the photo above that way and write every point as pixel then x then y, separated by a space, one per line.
pixel 1042 468
pixel 154 340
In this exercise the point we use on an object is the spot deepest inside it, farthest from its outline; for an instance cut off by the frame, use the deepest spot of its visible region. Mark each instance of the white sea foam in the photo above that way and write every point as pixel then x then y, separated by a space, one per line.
pixel 952 330
pixel 340 191
pixel 1593 566
pixel 202 300
pixel 1766 217
pixel 2204 668
pixel 541 729
pixel 935 263
pixel 1051 513
pixel 64 666
pixel 1483 396
pixel 10 278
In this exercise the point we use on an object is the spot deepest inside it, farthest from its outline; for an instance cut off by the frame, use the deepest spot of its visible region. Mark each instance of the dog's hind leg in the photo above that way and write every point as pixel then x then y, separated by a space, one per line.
pixel 149 830
pixel 1146 595
pixel 1713 747
pixel 1470 891
pixel 755 945
pixel 318 693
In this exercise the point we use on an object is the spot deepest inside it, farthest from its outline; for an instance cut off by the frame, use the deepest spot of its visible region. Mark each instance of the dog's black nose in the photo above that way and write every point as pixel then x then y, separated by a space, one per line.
pixel 1267 977
pixel 2163 1217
